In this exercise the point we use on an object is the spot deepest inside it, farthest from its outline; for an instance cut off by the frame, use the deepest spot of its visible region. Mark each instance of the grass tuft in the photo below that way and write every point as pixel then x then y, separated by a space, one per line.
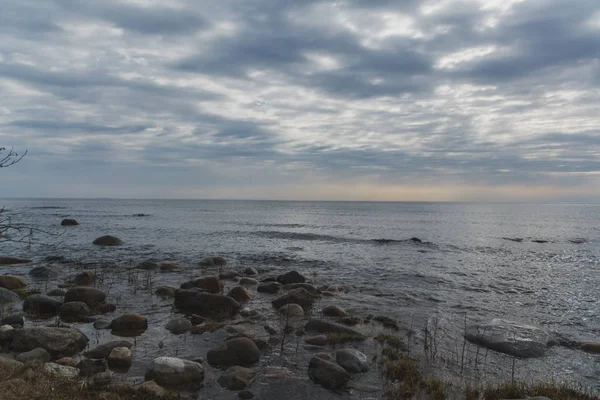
pixel 336 338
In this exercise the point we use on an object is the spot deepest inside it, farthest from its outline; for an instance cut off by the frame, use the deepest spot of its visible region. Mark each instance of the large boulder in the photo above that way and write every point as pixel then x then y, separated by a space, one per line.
pixel 40 304
pixel 131 324
pixel 519 340
pixel 328 374
pixel 214 306
pixel 178 326
pixel 269 287
pixel 44 272
pixel 38 355
pixel 352 360
pixel 108 240
pixel 175 372
pixel 7 296
pixel 88 295
pixel 210 284
pixel 316 325
pixel 237 378
pixel 104 350
pixel 13 261
pixel 240 294
pixel 296 296
pixel 74 311
pixel 11 282
pixel 291 277
pixel 56 341
pixel 239 351
pixel 69 222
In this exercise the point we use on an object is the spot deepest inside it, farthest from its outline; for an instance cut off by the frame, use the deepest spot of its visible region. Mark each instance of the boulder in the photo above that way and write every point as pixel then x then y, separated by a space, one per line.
pixel 57 293
pixel 40 304
pixel 291 277
pixel 108 240
pixel 38 355
pixel 237 378
pixel 250 271
pixel 269 287
pixel 319 340
pixel 166 291
pixel 74 311
pixel 239 351
pixel 56 341
pixel 178 326
pixel 104 350
pixel 11 282
pixel 84 278
pixel 7 296
pixel 213 261
pixel 240 294
pixel 328 374
pixel 69 222
pixel 248 281
pixel 61 371
pixel 208 305
pixel 131 324
pixel 316 325
pixel 88 295
pixel 13 261
pixel 352 360
pixel 175 372
pixel 312 289
pixel 120 358
pixel 168 266
pixel 519 340
pixel 291 310
pixel 210 284
pixel 88 367
pixel 334 311
pixel 44 272
pixel 296 296
pixel 147 266
pixel 16 321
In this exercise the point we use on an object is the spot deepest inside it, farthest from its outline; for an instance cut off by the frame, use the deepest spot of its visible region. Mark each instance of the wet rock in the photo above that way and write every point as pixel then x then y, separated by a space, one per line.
pixel 210 284
pixel 69 222
pixel 269 287
pixel 334 311
pixel 178 326
pixel 291 277
pixel 152 389
pixel 44 272
pixel 539 241
pixel 270 329
pixel 352 360
pixel 147 266
pixel 509 337
pixel 312 289
pixel 102 324
pixel 120 358
pixel 319 340
pixel 88 368
pixel 329 375
pixel 237 378
pixel 7 296
pixel 248 281
pixel 11 282
pixel 239 351
pixel 108 240
pixel 131 324
pixel 296 296
pixel 245 395
pixel 40 304
pixel 228 275
pixel 168 266
pixel 240 294
pixel 88 295
pixel 13 261
pixel 166 291
pixel 67 362
pixel 250 271
pixel 316 325
pixel 590 347
pixel 84 278
pixel 74 311
pixel 205 304
pixel 56 341
pixel 174 372
pixel 104 350
pixel 61 371
pixel 57 293
pixel 213 261
pixel 38 355
pixel 16 321
pixel 291 310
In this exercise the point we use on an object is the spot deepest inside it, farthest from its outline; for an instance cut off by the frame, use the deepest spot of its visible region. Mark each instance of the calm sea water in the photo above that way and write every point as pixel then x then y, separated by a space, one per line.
pixel 466 268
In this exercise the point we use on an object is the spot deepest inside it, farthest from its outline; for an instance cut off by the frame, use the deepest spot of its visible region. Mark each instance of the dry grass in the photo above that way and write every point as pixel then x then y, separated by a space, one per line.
pixel 513 390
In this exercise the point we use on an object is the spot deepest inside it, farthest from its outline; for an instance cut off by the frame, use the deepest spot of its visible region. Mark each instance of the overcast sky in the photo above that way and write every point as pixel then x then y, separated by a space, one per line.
pixel 302 99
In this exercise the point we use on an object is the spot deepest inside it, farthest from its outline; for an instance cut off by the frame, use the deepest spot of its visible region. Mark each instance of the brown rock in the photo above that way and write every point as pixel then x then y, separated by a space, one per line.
pixel 129 324
pixel 240 294
pixel 12 260
pixel 11 282
pixel 67 362
pixel 320 340
pixel 296 296
pixel 168 266
pixel 84 278
pixel 334 311
pixel 248 281
pixel 210 284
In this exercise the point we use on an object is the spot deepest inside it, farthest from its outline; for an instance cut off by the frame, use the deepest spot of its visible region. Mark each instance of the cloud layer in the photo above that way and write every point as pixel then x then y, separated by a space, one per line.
pixel 315 99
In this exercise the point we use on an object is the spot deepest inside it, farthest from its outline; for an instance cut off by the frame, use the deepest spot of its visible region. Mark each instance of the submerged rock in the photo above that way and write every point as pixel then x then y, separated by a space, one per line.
pixel 329 375
pixel 291 277
pixel 104 350
pixel 524 341
pixel 237 378
pixel 168 266
pixel 84 278
pixel 239 351
pixel 296 296
pixel 44 272
pixel 88 295
pixel 352 360
pixel 108 240
pixel 206 304
pixel 11 282
pixel 7 296
pixel 310 288
pixel 69 222
pixel 56 341
pixel 147 266
pixel 166 291
pixel 120 358
pixel 213 261
pixel 269 287
pixel 173 372
pixel 40 304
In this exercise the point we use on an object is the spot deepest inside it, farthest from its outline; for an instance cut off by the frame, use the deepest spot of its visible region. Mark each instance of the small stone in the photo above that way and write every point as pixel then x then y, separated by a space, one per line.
pixel 334 311
pixel 296 296
pixel 329 375
pixel 239 351
pixel 250 271
pixel 210 284
pixel 248 281
pixel 237 378
pixel 120 358
pixel 179 326
pixel 129 324
pixel 270 329
pixel 147 266
pixel 240 294
pixel 168 266
pixel 152 388
pixel 88 367
pixel 11 282
pixel 352 360
pixel 269 287
pixel 84 278
pixel 74 311
pixel 166 291
pixel 101 380
pixel 245 395
pixel 44 272
pixel 104 350
pixel 88 295
pixel 102 324
pixel 324 356
pixel 319 340
pixel 291 277
pixel 108 241
pixel 292 310
pixel 16 321
pixel 57 293
pixel 69 222
pixel 61 370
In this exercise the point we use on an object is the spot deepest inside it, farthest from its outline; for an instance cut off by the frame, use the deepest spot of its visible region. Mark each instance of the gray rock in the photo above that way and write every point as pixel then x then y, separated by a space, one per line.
pixel 239 351
pixel 296 296
pixel 228 275
pixel 509 337
pixel 40 304
pixel 316 325
pixel 291 277
pixel 88 367
pixel 16 321
pixel 210 284
pixel 292 311
pixel 57 293
pixel 178 326
pixel 334 311
pixel 175 372
pixel 240 294
pixel 120 357
pixel 237 378
pixel 69 222
pixel 61 371
pixel 329 375
pixel 38 355
pixel 74 311
pixel 214 306
pixel 130 324
pixel 108 240
pixel 44 272
pixel 269 287
pixel 104 350
pixel 250 271
pixel 88 295
pixel 248 281
pixel 166 291
pixel 352 360
pixel 56 341
pixel 7 296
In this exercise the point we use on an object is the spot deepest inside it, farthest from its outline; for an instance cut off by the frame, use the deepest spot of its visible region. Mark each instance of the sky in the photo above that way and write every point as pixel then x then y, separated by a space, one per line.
pixel 468 100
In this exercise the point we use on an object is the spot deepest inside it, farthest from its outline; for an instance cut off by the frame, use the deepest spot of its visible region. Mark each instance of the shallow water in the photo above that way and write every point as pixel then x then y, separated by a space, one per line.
pixel 466 268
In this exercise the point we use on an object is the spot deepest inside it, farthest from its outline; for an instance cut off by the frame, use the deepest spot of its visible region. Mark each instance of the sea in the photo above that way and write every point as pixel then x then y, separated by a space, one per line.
pixel 537 264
